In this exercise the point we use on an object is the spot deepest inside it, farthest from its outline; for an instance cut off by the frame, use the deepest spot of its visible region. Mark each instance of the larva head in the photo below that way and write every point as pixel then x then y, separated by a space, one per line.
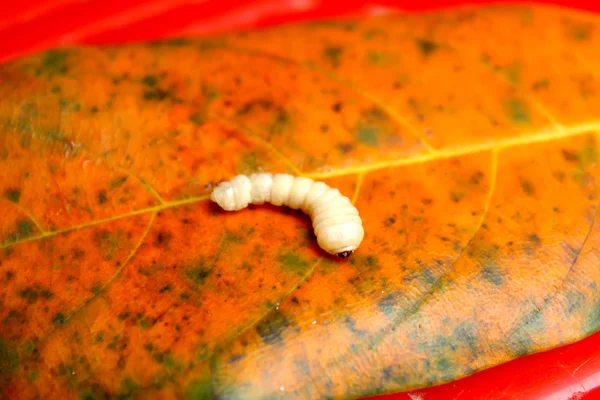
pixel 341 239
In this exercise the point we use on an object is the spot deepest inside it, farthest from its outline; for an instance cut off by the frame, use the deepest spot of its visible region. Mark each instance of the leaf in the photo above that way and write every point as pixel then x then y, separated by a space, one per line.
pixel 467 138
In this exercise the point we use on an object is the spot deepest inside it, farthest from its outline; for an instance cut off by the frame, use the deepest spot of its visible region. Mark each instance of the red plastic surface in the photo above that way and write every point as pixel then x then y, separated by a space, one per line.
pixel 567 373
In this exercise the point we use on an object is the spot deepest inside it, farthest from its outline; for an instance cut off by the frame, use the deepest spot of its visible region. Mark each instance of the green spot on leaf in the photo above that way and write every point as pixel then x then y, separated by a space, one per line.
pixel 13 195
pixel 280 122
pixel 527 187
pixel 517 111
pixel 292 262
pixel 579 31
pixel 333 54
pixel 513 73
pixel 9 359
pixel 54 62
pixel 145 323
pixel 118 182
pixel 493 274
pixel 426 47
pixel 197 118
pixel 150 80
pixel 376 58
pixel 108 243
pixel 33 375
pixel 198 273
pixel 443 364
pixel 368 135
pixel 129 388
pixel 271 327
pixel 232 237
pixel 249 163
pixel 23 230
pixel 373 124
pixel 200 390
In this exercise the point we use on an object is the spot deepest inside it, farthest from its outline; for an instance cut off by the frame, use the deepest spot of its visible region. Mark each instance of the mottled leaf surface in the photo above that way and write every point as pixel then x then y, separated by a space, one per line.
pixel 467 138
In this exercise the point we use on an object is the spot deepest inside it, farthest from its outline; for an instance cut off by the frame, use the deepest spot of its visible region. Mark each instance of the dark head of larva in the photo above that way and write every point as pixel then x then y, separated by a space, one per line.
pixel 344 254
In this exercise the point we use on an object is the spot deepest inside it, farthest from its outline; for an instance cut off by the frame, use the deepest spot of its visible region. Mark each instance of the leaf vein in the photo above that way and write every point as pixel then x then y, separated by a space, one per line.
pixel 165 206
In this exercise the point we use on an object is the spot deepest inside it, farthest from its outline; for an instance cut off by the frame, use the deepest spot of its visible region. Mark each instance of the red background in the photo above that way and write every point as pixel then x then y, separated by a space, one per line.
pixel 571 372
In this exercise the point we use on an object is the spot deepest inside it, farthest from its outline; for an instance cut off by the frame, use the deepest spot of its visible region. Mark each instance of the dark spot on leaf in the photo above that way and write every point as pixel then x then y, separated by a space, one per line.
pixel 198 274
pixel 457 196
pixel 465 333
pixel 163 239
pixel 164 289
pixel 368 135
pixel 235 358
pixel 101 197
pixel 541 84
pixel 521 345
pixel 123 316
pixel 265 104
pixel 373 124
pixel 9 359
pixel 246 266
pixel 389 303
pixel 345 148
pixel 426 47
pixel 117 182
pixel 129 388
pixel 13 195
pixel 575 301
pixel 24 229
pixel 535 239
pixel 337 107
pixel 156 94
pixel 443 364
pixel 232 237
pixel 369 262
pixel 578 30
pixel 517 111
pixel 350 323
pixel 150 80
pixel 197 118
pixel 477 177
pixel 333 54
pixel 376 58
pixel 54 62
pixel 280 121
pixel 513 73
pixel 145 322
pixel 389 221
pixel 200 389
pixel 292 262
pixel 59 319
pixel 271 327
pixel 527 187
pixel 493 274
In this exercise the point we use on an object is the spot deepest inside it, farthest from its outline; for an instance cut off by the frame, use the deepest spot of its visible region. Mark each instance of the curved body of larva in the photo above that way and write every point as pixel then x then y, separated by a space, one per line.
pixel 336 222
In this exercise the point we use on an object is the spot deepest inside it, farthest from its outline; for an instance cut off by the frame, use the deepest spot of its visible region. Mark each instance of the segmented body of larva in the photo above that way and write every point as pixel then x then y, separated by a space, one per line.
pixel 336 222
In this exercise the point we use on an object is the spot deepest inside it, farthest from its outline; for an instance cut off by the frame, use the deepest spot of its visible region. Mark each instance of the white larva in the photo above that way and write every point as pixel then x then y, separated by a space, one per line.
pixel 336 222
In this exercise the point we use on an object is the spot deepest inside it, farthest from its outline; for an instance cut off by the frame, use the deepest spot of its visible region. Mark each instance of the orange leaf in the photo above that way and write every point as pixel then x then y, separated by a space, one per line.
pixel 468 140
